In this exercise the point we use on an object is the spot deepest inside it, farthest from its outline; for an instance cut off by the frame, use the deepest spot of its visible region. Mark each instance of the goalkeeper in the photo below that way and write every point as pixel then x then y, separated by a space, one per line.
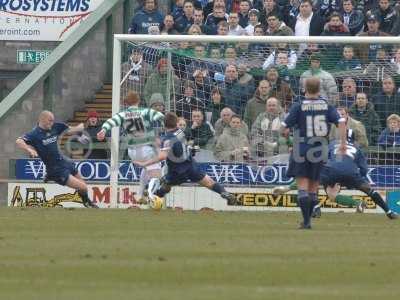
pixel 348 170
pixel 141 136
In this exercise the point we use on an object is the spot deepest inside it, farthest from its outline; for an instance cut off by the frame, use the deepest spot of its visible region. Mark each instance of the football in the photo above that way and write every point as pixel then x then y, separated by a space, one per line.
pixel 157 203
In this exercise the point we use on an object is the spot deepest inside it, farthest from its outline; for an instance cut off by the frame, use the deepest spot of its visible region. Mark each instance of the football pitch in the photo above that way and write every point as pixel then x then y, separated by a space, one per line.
pixel 131 254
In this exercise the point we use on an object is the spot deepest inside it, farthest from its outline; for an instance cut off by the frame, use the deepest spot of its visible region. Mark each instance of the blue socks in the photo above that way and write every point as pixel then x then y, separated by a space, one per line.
pixel 304 202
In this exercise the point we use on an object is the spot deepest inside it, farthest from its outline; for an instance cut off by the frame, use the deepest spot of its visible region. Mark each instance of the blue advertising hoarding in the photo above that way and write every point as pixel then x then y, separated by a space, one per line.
pixel 237 174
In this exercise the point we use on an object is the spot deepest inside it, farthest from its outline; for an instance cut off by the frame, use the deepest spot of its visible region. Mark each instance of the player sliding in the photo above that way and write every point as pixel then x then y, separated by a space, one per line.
pixel 311 119
pixel 180 164
pixel 137 122
pixel 42 142
pixel 348 170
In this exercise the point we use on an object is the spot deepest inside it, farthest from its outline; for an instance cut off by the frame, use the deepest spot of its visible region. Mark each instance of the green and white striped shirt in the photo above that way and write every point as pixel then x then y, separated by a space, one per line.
pixel 137 122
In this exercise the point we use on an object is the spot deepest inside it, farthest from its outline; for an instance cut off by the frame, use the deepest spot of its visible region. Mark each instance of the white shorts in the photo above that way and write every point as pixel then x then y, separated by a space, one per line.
pixel 144 152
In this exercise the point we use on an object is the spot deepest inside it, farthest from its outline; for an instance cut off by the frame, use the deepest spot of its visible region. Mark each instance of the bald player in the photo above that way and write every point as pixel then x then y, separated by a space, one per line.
pixel 42 141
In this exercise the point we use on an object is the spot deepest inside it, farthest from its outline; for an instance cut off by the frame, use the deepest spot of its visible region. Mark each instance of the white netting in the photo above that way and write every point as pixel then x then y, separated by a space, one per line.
pixel 219 79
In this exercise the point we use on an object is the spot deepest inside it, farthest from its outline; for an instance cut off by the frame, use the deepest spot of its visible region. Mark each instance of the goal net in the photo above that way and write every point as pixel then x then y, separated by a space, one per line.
pixel 231 94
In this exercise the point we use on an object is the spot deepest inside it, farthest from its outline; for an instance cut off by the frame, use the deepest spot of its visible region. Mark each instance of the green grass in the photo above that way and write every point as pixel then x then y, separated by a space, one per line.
pixel 129 254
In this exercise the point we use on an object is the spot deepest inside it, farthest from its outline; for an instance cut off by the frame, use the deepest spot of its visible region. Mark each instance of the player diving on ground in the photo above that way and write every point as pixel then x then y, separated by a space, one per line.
pixel 347 170
pixel 181 166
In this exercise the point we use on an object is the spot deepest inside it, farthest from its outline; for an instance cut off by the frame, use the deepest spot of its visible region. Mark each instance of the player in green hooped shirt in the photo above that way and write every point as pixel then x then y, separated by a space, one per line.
pixel 141 136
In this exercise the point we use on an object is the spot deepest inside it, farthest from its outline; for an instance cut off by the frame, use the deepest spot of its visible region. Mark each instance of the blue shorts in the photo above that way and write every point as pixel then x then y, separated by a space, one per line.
pixel 330 177
pixel 192 174
pixel 61 172
pixel 304 169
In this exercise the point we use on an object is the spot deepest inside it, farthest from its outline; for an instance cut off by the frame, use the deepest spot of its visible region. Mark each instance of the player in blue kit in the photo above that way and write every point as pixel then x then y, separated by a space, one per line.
pixel 347 170
pixel 311 119
pixel 42 142
pixel 180 163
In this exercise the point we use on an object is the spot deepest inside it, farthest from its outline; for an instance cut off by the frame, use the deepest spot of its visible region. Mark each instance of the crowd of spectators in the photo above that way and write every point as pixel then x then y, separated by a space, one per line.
pixel 231 98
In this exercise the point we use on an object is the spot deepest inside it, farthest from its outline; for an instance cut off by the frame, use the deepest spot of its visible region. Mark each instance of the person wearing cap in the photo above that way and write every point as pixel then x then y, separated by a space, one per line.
pixel 134 73
pixel 386 15
pixel 147 16
pixel 253 21
pixel 157 82
pixel 390 136
pixel 328 87
pixel 367 52
pixel 92 127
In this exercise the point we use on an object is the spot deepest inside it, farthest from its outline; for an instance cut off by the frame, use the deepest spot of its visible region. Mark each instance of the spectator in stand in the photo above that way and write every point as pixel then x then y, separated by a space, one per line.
pixel 352 18
pixel 253 21
pixel 189 102
pixel 396 60
pixel 290 11
pixel 356 132
pixel 279 88
pixel 233 25
pixel 256 105
pixel 183 23
pixel 236 95
pixel 215 106
pixel 200 131
pixel 137 69
pixel 349 92
pixel 198 62
pixel 224 120
pixel 230 54
pixel 92 127
pixel 270 8
pixel 390 136
pixel 233 144
pixel 157 82
pixel 272 59
pixel 276 27
pixel 259 51
pixel 265 131
pixel 202 85
pixel 387 100
pixel 386 15
pixel 198 19
pixel 177 9
pixel 381 67
pixel 146 17
pixel 367 52
pixel 168 25
pixel 244 8
pixel 348 61
pixel 335 26
pixel 326 7
pixel 328 84
pixel 363 111
pixel 303 59
pixel 222 28
pixel 194 30
pixel 307 22
pixel 245 78
pixel 182 124
pixel 216 17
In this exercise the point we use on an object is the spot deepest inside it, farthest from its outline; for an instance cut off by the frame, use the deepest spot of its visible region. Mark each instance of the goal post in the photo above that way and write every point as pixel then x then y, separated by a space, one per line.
pixel 165 47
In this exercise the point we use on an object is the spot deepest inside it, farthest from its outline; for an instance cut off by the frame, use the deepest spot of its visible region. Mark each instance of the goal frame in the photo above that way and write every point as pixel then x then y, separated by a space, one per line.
pixel 117 56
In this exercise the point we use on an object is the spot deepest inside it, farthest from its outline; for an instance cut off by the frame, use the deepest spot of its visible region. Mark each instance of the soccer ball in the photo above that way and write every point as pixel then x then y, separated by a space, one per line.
pixel 157 203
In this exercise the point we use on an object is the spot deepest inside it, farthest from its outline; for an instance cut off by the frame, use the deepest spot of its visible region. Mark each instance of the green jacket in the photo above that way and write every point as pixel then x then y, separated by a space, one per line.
pixel 370 120
pixel 254 107
pixel 157 83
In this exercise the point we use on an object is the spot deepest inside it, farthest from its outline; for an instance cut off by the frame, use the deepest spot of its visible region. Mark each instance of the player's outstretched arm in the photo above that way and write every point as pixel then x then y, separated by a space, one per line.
pixel 27 148
pixel 114 121
pixel 75 129
pixel 162 155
